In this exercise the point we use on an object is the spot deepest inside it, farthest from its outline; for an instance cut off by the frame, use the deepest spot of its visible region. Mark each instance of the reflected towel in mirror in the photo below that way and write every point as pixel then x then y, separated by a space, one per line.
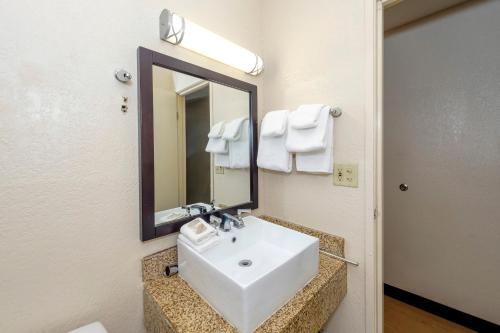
pixel 239 150
pixel 216 130
pixel 216 146
pixel 232 129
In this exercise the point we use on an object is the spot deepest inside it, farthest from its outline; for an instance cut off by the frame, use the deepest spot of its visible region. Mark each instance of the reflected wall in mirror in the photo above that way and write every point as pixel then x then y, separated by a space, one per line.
pixel 193 170
pixel 198 143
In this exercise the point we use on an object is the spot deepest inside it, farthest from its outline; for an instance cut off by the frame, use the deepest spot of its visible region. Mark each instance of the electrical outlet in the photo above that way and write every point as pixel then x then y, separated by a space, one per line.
pixel 219 170
pixel 345 175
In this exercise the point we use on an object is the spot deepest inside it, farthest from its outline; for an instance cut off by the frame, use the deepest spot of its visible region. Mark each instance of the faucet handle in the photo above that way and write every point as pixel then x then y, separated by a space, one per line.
pixel 215 221
pixel 187 208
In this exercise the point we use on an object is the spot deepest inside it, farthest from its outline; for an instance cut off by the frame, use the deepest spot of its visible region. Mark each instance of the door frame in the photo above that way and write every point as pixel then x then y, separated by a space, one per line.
pixel 374 292
pixel 379 160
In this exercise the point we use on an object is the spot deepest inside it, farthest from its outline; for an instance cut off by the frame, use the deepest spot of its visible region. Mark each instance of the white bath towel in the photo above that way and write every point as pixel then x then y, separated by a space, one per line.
pixel 239 150
pixel 200 248
pixel 318 161
pixel 232 129
pixel 306 116
pixel 216 146
pixel 310 139
pixel 198 231
pixel 274 123
pixel 216 130
pixel 272 153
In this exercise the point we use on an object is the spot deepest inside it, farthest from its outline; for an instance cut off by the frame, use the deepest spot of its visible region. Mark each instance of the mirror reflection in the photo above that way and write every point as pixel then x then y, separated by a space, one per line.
pixel 201 145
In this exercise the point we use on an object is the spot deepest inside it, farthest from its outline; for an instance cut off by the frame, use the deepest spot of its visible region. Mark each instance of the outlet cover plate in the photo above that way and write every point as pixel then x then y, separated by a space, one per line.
pixel 345 175
pixel 219 170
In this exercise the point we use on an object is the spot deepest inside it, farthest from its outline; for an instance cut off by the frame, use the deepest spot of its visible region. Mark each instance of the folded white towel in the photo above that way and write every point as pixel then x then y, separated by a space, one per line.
pixel 318 161
pixel 232 129
pixel 198 231
pixel 216 146
pixel 216 130
pixel 272 153
pixel 200 248
pixel 274 123
pixel 306 116
pixel 310 139
pixel 239 150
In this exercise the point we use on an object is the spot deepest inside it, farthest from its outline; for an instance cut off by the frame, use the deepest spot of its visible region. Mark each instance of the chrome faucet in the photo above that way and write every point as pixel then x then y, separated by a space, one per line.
pixel 201 209
pixel 237 221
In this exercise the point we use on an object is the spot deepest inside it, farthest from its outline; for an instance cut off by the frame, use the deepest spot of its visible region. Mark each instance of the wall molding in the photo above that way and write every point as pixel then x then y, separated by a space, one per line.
pixel 441 310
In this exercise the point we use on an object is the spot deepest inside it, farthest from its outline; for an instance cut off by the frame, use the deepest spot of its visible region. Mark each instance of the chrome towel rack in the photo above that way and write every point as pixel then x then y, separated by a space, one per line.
pixel 354 263
pixel 335 112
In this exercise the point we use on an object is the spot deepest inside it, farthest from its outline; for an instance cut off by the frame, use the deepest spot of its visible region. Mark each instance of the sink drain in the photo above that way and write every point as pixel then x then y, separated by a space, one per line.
pixel 245 263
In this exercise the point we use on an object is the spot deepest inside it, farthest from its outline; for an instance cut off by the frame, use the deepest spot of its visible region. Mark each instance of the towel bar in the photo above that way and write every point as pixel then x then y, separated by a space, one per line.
pixel 335 112
pixel 339 258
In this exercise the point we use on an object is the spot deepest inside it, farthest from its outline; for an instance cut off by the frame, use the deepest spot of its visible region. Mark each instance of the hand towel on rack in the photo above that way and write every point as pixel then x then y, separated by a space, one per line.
pixel 239 150
pixel 320 161
pixel 274 123
pixel 306 116
pixel 272 153
pixel 232 129
pixel 310 139
pixel 215 143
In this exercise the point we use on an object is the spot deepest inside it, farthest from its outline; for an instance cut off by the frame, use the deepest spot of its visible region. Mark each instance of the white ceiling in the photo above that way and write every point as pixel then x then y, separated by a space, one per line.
pixel 411 10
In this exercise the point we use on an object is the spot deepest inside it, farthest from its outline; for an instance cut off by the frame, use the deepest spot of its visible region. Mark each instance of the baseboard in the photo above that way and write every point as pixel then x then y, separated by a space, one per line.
pixel 441 310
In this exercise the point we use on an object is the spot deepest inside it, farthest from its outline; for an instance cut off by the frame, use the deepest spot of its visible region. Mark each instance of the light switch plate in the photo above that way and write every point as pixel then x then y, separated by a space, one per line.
pixel 219 170
pixel 345 175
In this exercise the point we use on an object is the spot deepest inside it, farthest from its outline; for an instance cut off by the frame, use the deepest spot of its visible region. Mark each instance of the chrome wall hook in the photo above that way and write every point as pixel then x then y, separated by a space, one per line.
pixel 123 75
pixel 335 112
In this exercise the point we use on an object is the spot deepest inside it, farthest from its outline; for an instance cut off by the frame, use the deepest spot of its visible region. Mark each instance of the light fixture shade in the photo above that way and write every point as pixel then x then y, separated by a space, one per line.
pixel 177 30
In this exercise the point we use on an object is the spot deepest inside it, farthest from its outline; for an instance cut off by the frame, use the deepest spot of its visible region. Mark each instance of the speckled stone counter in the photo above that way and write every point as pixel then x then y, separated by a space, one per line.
pixel 171 306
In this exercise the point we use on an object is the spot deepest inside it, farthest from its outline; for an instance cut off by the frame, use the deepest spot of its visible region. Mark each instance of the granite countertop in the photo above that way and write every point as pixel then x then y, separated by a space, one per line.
pixel 171 306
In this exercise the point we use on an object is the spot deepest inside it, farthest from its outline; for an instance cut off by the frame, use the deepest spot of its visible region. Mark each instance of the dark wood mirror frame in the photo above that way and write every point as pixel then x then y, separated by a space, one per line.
pixel 145 60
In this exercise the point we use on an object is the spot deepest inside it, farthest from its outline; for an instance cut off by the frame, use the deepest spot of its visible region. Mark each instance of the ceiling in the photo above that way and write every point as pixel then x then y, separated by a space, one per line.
pixel 411 10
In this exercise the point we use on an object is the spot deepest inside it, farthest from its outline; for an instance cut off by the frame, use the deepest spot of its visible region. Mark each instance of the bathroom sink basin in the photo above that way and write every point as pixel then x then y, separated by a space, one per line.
pixel 252 272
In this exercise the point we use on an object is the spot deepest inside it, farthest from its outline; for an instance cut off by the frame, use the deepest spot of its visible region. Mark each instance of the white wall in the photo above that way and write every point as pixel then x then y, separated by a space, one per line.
pixel 69 203
pixel 315 53
pixel 442 119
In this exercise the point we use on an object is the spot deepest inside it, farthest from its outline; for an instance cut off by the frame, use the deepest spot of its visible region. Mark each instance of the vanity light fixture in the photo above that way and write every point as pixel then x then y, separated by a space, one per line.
pixel 178 30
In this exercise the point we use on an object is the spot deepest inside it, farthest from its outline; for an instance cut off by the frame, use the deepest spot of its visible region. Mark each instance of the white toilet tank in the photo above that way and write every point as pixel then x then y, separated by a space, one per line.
pixel 91 328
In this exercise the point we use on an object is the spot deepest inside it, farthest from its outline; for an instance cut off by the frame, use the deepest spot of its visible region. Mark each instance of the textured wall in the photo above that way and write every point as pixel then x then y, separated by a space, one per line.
pixel 69 202
pixel 442 119
pixel 315 54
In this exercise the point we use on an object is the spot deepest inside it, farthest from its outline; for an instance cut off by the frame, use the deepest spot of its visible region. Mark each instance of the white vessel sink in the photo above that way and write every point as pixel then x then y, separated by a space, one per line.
pixel 283 261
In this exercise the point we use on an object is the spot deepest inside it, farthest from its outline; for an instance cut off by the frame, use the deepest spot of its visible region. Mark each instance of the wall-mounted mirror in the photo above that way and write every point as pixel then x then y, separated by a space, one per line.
pixel 197 143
